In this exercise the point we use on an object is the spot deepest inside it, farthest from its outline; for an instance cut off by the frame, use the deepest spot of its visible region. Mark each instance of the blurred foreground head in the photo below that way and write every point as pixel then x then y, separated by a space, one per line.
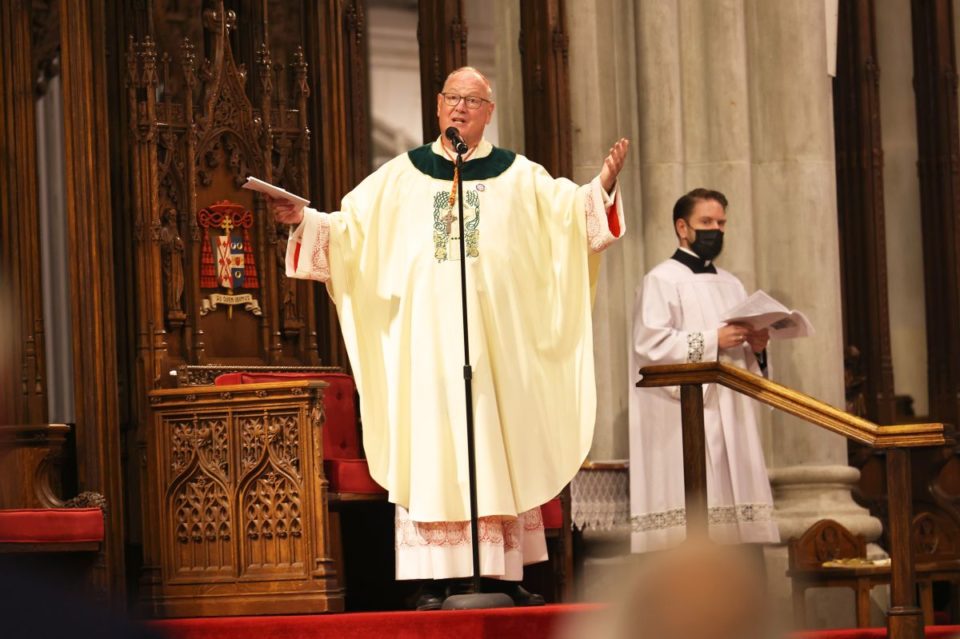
pixel 696 591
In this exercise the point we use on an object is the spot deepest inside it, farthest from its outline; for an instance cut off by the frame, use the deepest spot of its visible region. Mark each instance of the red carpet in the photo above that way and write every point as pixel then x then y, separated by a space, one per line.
pixel 933 632
pixel 529 623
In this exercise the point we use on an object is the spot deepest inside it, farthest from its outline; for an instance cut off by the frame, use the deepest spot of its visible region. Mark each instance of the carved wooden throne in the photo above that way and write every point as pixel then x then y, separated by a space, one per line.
pixel 231 479
pixel 197 136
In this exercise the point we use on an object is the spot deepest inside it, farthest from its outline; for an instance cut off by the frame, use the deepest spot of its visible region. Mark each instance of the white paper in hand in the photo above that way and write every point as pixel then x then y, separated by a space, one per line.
pixel 761 311
pixel 256 184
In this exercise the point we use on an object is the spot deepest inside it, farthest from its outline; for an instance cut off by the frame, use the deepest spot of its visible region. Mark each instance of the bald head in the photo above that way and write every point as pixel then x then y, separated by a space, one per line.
pixel 469 71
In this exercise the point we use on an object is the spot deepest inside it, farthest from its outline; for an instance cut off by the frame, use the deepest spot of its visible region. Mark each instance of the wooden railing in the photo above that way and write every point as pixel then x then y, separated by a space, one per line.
pixel 904 617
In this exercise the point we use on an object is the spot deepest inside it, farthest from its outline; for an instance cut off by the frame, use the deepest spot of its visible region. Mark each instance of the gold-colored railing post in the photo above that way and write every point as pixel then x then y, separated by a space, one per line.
pixel 694 459
pixel 904 618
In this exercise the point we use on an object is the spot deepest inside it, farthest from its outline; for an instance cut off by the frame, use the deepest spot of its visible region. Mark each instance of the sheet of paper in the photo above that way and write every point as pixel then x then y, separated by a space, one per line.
pixel 256 184
pixel 760 311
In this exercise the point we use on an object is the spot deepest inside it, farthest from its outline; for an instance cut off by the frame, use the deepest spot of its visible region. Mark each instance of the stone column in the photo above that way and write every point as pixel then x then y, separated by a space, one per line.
pixel 794 186
pixel 509 91
pixel 603 108
pixel 797 250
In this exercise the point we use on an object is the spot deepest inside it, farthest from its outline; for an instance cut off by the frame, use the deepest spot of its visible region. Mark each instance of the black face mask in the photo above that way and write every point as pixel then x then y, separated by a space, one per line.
pixel 707 243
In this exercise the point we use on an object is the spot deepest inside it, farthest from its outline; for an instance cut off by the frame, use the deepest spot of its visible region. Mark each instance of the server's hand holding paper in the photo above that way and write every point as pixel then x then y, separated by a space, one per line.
pixel 760 311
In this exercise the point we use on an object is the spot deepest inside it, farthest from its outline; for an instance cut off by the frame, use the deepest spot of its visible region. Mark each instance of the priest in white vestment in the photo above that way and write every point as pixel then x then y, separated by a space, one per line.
pixel 390 260
pixel 676 321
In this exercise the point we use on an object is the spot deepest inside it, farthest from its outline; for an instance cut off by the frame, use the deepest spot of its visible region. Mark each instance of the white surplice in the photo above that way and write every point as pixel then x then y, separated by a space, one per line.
pixel 676 318
pixel 390 258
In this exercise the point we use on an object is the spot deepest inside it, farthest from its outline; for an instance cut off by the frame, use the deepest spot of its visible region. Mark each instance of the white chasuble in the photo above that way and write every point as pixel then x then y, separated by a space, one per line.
pixel 391 260
pixel 676 317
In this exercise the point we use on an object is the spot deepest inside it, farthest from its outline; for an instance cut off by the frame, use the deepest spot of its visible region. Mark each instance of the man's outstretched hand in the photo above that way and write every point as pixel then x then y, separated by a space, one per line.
pixel 613 163
pixel 285 211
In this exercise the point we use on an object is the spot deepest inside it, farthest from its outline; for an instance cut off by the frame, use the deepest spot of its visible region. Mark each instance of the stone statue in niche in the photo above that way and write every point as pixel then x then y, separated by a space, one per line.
pixel 171 259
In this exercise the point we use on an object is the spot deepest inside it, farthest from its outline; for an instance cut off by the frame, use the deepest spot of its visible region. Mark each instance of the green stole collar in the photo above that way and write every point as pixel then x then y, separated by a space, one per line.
pixel 429 163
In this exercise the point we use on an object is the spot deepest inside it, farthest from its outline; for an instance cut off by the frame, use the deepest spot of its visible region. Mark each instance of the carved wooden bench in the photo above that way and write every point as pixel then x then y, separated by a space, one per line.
pixel 936 549
pixel 33 517
pixel 39 532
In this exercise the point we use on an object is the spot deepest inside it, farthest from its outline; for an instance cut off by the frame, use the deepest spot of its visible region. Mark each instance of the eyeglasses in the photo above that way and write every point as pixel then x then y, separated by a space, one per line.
pixel 473 102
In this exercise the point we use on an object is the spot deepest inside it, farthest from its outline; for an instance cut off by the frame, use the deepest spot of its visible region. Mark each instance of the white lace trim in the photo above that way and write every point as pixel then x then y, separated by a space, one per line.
pixel 319 257
pixel 718 516
pixel 492 530
pixel 599 236
pixel 600 499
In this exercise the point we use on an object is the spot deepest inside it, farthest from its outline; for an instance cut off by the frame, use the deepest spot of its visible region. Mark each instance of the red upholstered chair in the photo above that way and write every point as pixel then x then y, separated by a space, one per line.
pixel 552 513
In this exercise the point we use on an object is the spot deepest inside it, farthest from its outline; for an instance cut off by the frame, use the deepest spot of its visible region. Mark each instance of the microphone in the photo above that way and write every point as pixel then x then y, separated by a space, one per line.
pixel 453 134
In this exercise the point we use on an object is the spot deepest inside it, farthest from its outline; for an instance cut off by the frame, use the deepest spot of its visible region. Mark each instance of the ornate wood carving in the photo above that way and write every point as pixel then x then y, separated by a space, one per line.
pixel 442 34
pixel 544 49
pixel 936 537
pixel 239 501
pixel 90 236
pixel 24 398
pixel 195 137
pixel 937 488
pixel 859 155
pixel 824 541
pixel 199 122
pixel 938 138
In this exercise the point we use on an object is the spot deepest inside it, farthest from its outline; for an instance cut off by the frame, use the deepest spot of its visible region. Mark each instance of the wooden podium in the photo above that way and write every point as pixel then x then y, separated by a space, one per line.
pixel 236 502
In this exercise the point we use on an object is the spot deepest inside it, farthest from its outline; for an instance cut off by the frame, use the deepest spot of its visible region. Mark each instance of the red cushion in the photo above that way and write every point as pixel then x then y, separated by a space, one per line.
pixel 350 476
pixel 51 525
pixel 340 437
pixel 229 379
pixel 552 513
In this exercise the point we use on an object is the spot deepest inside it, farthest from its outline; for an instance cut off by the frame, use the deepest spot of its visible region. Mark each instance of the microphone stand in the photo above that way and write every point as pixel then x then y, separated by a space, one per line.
pixel 477 599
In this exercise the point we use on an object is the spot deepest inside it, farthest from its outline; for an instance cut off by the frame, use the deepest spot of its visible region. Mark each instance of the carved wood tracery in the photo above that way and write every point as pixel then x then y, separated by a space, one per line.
pixel 238 471
pixel 859 149
pixel 938 141
pixel 23 395
pixel 544 50
pixel 336 39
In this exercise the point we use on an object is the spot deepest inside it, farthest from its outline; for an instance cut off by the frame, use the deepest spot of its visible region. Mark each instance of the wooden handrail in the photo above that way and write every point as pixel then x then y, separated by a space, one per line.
pixel 904 618
pixel 796 403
